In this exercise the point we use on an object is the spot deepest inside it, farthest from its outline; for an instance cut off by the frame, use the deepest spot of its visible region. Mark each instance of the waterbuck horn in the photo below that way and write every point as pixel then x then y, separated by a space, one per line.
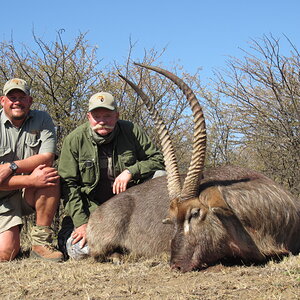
pixel 191 183
pixel 174 187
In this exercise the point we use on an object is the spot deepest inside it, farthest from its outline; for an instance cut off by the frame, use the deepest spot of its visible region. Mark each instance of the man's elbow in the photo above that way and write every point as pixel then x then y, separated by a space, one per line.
pixel 49 159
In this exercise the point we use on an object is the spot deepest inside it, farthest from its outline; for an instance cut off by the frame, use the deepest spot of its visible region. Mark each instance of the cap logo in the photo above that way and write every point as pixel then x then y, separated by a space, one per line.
pixel 101 98
pixel 16 81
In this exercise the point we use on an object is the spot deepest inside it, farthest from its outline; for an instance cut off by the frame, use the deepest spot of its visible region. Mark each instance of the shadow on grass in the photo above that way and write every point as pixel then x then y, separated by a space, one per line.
pixel 23 254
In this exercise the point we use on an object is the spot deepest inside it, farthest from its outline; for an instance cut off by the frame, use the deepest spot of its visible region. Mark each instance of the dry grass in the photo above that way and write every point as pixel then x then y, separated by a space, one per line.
pixel 147 279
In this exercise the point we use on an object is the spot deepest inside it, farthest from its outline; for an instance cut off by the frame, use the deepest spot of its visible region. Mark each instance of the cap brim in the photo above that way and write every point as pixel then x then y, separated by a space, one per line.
pixel 15 88
pixel 101 106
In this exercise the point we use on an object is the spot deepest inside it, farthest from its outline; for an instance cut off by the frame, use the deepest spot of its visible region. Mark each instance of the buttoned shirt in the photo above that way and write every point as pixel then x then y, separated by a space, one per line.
pixel 35 136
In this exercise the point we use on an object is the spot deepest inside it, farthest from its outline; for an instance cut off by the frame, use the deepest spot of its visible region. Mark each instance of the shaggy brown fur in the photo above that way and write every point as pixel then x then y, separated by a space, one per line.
pixel 239 213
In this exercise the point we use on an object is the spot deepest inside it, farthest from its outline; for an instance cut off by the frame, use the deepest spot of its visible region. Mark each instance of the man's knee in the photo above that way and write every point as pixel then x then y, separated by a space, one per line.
pixel 75 251
pixel 9 254
pixel 159 173
pixel 9 244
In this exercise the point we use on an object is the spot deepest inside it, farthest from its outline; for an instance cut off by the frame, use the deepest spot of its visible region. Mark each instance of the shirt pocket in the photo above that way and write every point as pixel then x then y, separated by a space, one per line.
pixel 33 143
pixel 87 170
pixel 5 154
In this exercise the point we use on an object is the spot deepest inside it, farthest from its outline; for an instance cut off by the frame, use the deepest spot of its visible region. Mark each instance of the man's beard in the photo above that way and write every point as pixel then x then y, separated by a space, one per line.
pixel 18 118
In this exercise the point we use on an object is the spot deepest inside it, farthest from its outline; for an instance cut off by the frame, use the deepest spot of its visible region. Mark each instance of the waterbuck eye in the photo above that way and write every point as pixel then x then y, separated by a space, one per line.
pixel 195 212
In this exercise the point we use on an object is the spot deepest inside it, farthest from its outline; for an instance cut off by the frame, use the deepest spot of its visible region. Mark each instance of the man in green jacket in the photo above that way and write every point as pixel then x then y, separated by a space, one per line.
pixel 99 159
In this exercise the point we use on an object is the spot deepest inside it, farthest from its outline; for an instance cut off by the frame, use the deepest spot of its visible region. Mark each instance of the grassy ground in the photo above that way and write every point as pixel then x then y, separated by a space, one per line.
pixel 147 279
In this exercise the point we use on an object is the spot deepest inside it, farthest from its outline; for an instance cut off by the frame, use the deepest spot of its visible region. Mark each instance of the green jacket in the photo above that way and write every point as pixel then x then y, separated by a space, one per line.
pixel 79 165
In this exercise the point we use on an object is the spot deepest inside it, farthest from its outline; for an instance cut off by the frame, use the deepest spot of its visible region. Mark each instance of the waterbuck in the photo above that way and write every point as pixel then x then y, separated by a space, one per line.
pixel 222 213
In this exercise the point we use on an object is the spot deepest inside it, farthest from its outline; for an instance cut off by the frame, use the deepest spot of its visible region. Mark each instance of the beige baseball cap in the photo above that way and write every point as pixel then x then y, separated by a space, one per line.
pixel 102 100
pixel 18 84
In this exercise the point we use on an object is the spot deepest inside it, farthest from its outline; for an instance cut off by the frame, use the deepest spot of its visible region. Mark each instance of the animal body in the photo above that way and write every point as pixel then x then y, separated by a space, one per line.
pixel 239 214
pixel 222 213
pixel 132 222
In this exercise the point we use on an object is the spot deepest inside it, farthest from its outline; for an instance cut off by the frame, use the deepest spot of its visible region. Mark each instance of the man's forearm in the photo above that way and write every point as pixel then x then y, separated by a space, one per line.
pixel 27 165
pixel 16 182
pixel 42 176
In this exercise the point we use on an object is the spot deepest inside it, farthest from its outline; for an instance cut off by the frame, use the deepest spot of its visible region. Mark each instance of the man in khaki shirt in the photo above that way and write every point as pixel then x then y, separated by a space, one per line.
pixel 28 182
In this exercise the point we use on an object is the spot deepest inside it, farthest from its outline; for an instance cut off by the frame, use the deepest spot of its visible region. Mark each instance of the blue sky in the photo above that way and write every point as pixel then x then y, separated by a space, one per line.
pixel 196 33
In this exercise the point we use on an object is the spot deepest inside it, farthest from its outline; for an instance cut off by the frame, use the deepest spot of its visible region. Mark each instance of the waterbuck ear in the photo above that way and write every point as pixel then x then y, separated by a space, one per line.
pixel 222 211
pixel 216 202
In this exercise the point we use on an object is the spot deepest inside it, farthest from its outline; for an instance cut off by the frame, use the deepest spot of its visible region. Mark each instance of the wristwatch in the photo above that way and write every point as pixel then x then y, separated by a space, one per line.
pixel 13 167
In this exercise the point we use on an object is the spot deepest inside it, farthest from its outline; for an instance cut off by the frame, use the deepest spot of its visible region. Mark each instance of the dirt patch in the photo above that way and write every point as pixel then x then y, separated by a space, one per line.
pixel 147 279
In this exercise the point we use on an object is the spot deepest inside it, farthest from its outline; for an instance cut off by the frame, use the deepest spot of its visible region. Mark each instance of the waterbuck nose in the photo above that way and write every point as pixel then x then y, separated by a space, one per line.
pixel 175 266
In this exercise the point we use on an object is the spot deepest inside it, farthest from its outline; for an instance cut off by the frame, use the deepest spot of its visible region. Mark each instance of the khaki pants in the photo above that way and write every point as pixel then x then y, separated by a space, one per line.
pixel 12 209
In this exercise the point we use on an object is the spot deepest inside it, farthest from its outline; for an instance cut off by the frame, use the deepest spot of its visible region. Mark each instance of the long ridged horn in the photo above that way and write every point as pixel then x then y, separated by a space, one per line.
pixel 174 186
pixel 191 183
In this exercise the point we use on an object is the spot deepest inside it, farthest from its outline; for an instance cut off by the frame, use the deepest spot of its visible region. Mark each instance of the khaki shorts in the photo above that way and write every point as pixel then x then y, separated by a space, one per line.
pixel 12 209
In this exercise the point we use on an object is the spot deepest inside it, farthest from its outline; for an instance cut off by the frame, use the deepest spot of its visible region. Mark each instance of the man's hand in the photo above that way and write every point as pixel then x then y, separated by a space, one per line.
pixel 43 176
pixel 120 183
pixel 78 234
pixel 5 172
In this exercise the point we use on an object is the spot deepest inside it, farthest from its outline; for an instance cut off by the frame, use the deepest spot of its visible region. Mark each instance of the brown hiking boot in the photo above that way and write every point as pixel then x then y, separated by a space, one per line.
pixel 46 252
